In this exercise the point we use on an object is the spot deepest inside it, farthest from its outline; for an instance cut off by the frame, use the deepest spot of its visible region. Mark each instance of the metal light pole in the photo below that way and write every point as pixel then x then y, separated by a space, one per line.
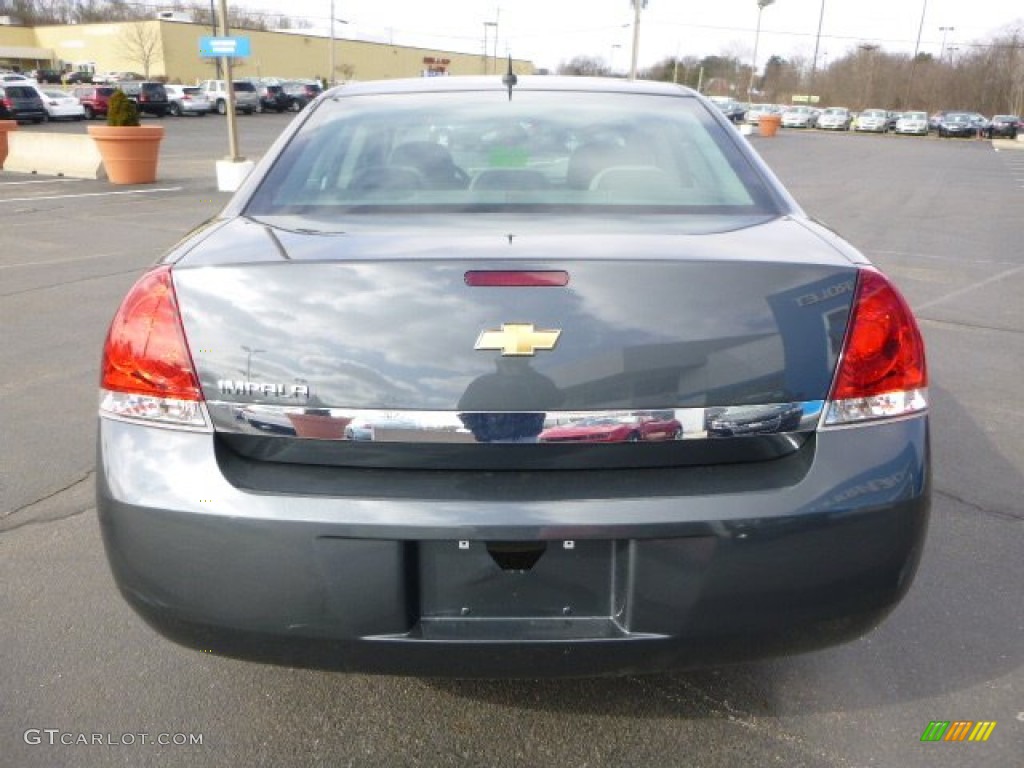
pixel 817 42
pixel 638 5
pixel 944 31
pixel 917 50
pixel 229 92
pixel 497 18
pixel 249 352
pixel 213 27
pixel 330 61
pixel 488 24
pixel 761 5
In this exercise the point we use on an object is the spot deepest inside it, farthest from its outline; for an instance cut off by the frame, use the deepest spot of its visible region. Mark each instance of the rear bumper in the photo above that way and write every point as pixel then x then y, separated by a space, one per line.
pixel 394 581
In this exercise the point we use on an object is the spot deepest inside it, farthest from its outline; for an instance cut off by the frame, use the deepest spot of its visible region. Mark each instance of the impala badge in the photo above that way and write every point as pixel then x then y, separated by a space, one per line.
pixel 517 339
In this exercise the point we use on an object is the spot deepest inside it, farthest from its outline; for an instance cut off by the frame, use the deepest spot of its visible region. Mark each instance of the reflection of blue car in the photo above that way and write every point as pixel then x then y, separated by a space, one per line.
pixel 267 421
pixel 359 430
pixel 753 419
pixel 367 430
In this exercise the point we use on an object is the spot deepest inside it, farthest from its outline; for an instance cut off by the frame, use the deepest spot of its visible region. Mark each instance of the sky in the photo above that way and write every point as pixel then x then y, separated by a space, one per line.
pixel 549 32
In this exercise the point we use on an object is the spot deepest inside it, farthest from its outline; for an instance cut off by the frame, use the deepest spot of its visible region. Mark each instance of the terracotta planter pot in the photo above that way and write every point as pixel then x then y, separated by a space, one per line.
pixel 768 125
pixel 322 427
pixel 129 153
pixel 5 126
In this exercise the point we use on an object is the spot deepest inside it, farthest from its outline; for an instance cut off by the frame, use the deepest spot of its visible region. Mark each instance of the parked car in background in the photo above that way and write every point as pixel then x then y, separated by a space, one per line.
pixel 247 101
pixel 272 97
pixel 300 93
pixel 754 112
pixel 913 123
pixel 835 119
pixel 800 117
pixel 46 76
pixel 16 78
pixel 109 78
pixel 981 122
pixel 149 96
pixel 872 120
pixel 1003 126
pixel 957 125
pixel 186 100
pixel 95 99
pixel 731 108
pixel 77 78
pixel 938 117
pixel 21 102
pixel 61 105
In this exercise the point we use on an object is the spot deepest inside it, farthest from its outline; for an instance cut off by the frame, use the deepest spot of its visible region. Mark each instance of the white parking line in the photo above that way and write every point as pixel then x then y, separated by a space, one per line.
pixel 92 194
pixel 35 181
pixel 54 261
pixel 967 289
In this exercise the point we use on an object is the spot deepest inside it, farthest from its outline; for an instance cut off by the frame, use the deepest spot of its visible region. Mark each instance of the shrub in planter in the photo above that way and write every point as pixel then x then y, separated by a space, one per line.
pixel 121 111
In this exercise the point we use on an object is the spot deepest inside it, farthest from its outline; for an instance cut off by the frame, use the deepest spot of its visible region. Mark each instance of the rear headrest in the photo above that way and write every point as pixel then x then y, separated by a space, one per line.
pixel 590 159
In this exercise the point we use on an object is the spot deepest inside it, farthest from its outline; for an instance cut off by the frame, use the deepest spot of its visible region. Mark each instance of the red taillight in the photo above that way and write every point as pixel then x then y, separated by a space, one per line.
pixel 516 278
pixel 884 351
pixel 146 352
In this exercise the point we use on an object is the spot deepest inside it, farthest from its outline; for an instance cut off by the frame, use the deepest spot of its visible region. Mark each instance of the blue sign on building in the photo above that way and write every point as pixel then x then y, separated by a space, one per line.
pixel 236 47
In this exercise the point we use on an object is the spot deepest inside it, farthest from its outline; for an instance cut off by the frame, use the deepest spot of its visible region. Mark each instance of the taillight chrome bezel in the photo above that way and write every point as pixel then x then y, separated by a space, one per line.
pixel 868 410
pixel 168 412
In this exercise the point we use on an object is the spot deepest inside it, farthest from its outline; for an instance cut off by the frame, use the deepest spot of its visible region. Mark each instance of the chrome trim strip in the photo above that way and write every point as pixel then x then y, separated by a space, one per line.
pixel 598 426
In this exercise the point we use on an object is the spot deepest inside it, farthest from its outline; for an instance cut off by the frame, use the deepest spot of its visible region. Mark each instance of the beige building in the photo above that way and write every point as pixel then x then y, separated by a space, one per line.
pixel 170 50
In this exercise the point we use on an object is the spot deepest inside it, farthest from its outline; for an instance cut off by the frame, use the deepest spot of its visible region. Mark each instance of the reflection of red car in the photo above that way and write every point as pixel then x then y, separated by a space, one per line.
pixel 632 427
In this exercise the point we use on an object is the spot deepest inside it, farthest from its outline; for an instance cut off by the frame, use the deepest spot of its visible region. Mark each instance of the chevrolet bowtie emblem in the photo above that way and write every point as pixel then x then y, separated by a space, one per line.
pixel 517 339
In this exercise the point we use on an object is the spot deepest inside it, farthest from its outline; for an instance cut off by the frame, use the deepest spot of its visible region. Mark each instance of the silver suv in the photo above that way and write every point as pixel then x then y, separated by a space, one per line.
pixel 247 99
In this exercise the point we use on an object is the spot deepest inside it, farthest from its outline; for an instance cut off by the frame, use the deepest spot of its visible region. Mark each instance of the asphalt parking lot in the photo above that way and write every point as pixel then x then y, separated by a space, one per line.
pixel 942 217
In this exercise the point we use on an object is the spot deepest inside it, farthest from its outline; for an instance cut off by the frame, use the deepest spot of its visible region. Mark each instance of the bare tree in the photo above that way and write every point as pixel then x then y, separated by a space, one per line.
pixel 141 44
pixel 585 66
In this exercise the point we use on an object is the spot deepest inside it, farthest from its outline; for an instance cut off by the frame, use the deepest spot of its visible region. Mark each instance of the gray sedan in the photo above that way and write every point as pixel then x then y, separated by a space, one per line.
pixel 478 258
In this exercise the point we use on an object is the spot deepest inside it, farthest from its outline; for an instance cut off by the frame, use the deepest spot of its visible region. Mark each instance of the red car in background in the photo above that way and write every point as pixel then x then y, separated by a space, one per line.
pixel 627 428
pixel 95 99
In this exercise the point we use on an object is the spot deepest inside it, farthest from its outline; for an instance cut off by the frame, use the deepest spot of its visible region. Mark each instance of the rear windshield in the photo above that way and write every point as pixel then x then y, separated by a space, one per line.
pixel 239 86
pixel 104 91
pixel 539 151
pixel 20 91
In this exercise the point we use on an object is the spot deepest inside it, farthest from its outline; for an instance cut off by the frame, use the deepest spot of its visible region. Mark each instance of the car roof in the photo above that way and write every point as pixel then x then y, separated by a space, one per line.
pixel 494 83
